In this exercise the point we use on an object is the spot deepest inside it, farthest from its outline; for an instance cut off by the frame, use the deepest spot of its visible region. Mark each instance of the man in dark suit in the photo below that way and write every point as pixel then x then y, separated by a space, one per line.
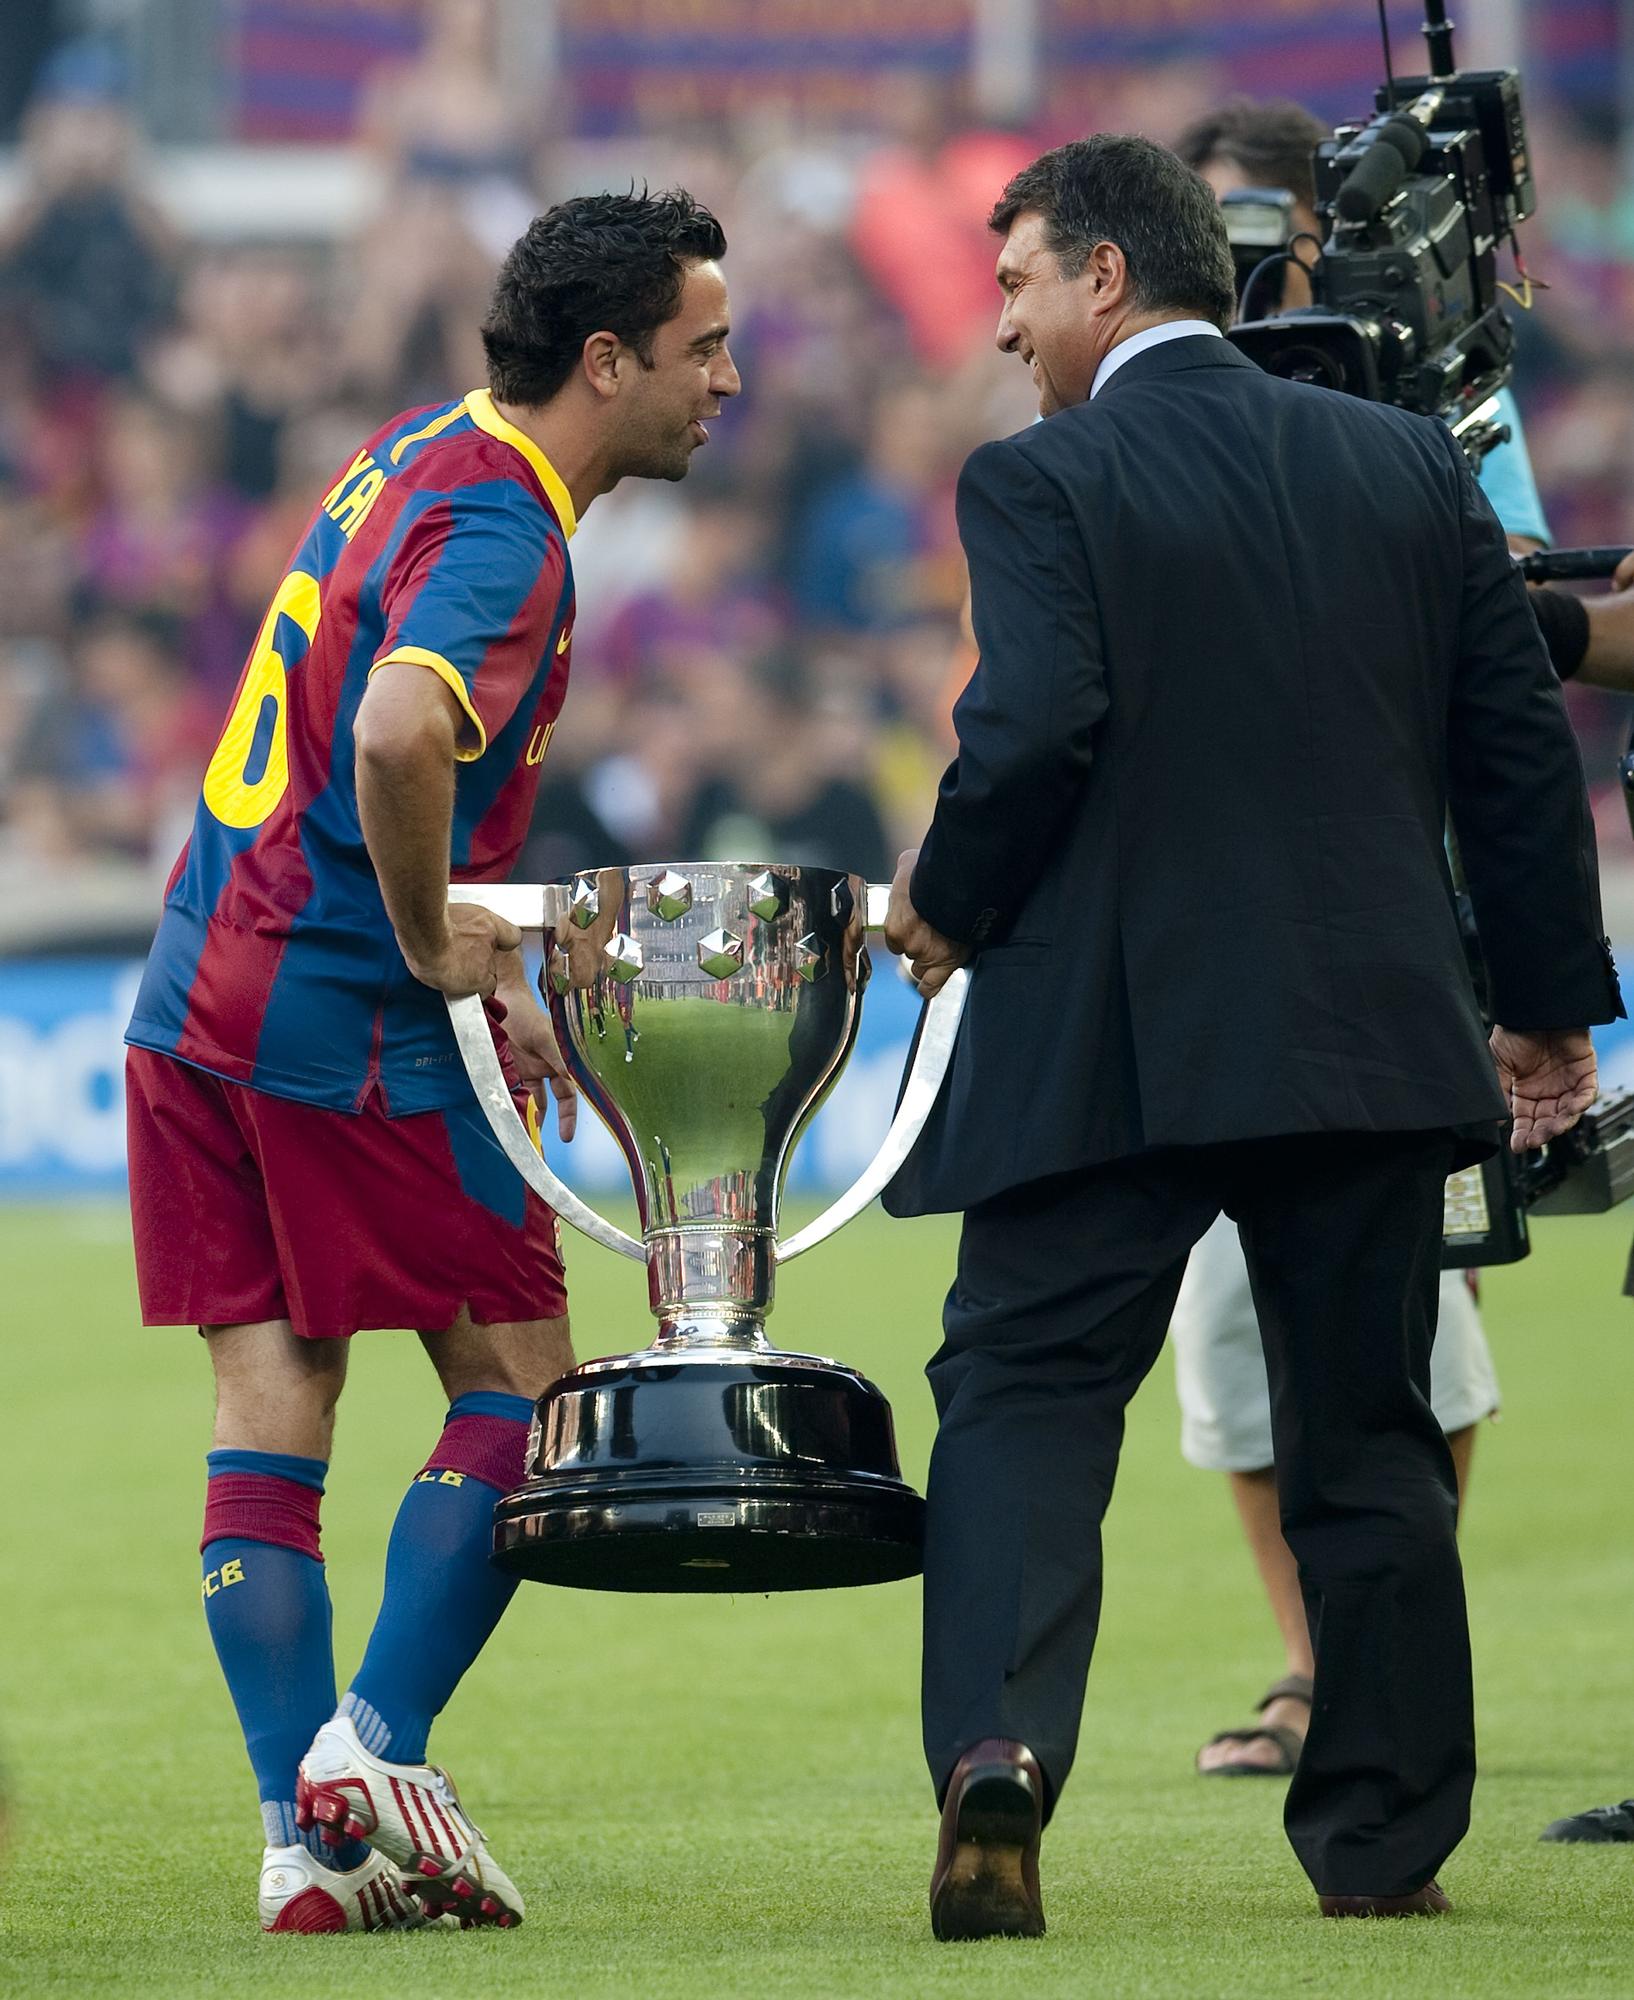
pixel 1242 645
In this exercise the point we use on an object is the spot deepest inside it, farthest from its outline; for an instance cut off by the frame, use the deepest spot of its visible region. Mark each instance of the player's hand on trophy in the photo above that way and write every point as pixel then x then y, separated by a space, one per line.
pixel 467 957
pixel 932 958
pixel 1549 1078
pixel 536 1051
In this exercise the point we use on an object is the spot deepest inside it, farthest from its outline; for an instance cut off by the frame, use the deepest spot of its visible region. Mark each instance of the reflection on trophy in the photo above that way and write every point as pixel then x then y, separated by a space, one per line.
pixel 707 1010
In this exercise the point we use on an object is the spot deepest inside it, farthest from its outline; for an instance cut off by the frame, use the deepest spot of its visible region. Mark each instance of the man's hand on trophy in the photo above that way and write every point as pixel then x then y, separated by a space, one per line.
pixel 466 959
pixel 1549 1078
pixel 535 1049
pixel 932 958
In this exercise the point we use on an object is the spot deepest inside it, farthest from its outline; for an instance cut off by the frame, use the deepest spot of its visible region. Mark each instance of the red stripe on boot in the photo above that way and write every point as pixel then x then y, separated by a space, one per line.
pixel 492 1449
pixel 260 1507
pixel 455 1843
pixel 421 1831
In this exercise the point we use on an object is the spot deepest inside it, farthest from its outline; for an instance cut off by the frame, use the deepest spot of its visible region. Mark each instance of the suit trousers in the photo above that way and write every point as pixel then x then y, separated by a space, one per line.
pixel 1060 1305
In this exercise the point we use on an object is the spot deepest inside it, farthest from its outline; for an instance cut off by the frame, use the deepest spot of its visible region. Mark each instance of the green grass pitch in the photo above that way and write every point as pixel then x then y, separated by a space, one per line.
pixel 721 1798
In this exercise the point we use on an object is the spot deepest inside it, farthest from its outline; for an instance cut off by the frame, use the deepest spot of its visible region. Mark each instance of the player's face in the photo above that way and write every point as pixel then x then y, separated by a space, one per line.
pixel 692 374
pixel 1048 320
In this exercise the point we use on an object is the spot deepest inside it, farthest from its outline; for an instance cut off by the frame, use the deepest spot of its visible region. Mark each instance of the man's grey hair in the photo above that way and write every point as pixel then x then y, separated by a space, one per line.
pixel 1119 188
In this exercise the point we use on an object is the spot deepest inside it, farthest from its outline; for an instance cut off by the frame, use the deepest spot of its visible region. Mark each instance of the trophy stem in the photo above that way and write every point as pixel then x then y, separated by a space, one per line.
pixel 692 1327
pixel 710 1283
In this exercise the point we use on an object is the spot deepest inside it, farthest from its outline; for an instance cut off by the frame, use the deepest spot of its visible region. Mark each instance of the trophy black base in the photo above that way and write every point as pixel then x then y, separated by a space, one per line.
pixel 710 1538
pixel 736 1473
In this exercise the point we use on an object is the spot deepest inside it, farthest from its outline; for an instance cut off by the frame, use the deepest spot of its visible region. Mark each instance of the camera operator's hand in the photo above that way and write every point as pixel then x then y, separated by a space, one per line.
pixel 1549 1078
pixel 932 958
pixel 1608 660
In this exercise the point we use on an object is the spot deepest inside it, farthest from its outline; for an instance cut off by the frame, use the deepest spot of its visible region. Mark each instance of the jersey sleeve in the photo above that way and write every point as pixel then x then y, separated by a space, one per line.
pixel 473 594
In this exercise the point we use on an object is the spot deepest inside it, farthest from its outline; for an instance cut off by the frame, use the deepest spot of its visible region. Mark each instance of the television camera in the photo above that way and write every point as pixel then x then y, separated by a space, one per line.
pixel 1416 204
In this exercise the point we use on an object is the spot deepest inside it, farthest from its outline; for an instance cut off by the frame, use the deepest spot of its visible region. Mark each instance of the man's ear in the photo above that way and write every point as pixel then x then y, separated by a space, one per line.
pixel 1108 273
pixel 602 355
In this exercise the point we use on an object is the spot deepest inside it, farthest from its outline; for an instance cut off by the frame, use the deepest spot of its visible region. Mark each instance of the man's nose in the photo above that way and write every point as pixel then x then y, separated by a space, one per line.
pixel 725 381
pixel 1007 336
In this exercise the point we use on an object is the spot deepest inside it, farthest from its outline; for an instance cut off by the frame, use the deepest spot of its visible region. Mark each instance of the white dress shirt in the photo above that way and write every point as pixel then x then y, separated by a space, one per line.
pixel 1137 343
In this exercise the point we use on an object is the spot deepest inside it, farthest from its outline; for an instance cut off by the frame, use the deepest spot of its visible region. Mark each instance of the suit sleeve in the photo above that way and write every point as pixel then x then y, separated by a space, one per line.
pixel 1518 800
pixel 1026 719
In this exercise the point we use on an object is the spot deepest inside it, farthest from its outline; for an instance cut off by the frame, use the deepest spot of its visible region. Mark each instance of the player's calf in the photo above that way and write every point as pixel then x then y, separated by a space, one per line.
pixel 443 1596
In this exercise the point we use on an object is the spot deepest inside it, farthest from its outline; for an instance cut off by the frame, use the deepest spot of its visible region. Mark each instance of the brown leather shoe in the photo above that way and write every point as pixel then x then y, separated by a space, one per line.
pixel 985 1882
pixel 1426 1902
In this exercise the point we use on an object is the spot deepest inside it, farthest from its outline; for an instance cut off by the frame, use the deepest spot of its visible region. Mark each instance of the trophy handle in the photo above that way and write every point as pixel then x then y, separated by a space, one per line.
pixel 482 1065
pixel 530 907
pixel 930 1068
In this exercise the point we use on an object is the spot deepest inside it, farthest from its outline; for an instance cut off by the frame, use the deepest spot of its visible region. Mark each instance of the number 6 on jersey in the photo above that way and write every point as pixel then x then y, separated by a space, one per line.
pixel 254 738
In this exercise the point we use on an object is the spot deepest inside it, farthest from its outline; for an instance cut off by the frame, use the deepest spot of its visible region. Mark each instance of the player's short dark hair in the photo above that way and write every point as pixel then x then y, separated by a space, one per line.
pixel 612 263
pixel 1119 188
pixel 1271 140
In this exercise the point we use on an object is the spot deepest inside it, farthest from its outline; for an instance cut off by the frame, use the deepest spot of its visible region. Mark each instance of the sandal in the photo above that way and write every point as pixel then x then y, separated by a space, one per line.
pixel 1296 1687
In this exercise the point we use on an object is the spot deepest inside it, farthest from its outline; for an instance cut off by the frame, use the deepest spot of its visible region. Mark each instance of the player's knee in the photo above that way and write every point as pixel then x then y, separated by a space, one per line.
pixel 521 1359
pixel 531 1360
pixel 277 1424
pixel 274 1390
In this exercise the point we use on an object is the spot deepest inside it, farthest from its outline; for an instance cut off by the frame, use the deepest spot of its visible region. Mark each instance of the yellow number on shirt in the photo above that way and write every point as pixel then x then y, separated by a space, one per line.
pixel 231 794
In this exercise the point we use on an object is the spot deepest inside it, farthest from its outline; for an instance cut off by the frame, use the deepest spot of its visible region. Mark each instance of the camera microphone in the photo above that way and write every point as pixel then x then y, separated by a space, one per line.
pixel 1392 152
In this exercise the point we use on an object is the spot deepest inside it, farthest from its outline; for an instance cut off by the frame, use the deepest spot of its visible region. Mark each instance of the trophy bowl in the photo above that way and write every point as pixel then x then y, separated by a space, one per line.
pixel 706 1010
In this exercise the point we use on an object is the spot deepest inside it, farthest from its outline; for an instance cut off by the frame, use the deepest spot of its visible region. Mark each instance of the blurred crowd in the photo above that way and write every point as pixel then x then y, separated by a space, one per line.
pixel 767 655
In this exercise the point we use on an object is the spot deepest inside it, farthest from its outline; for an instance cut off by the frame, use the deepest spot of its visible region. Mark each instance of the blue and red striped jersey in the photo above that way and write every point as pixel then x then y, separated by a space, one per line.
pixel 444 544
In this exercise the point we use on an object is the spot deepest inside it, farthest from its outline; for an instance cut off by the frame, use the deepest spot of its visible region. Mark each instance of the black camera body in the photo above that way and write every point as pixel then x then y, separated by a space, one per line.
pixel 1416 204
pixel 1587 1171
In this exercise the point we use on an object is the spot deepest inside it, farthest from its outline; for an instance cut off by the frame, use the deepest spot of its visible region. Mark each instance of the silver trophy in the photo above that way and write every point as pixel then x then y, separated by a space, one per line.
pixel 707 1009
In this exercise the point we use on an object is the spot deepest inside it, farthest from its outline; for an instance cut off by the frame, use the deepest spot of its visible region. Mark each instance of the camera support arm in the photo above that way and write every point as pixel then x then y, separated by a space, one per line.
pixel 1438 35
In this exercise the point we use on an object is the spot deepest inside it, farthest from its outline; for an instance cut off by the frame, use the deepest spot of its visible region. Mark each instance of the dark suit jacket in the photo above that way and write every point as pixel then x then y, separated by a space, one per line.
pixel 1243 643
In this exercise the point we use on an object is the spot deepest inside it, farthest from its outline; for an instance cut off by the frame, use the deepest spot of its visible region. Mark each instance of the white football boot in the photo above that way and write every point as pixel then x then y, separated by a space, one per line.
pixel 299 1893
pixel 412 1815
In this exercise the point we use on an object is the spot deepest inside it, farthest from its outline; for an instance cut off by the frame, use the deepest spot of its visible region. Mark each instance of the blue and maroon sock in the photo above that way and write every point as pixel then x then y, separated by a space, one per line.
pixel 266 1602
pixel 443 1597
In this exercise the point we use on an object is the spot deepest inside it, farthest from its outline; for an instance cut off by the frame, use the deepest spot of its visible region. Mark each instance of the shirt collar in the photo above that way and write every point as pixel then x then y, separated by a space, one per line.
pixel 1137 343
pixel 480 403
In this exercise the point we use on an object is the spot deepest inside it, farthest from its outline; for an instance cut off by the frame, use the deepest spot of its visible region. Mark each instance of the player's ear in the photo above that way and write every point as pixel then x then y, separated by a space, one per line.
pixel 601 357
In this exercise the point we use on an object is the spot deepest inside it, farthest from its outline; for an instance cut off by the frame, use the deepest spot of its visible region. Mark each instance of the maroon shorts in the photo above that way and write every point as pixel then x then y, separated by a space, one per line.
pixel 251 1207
